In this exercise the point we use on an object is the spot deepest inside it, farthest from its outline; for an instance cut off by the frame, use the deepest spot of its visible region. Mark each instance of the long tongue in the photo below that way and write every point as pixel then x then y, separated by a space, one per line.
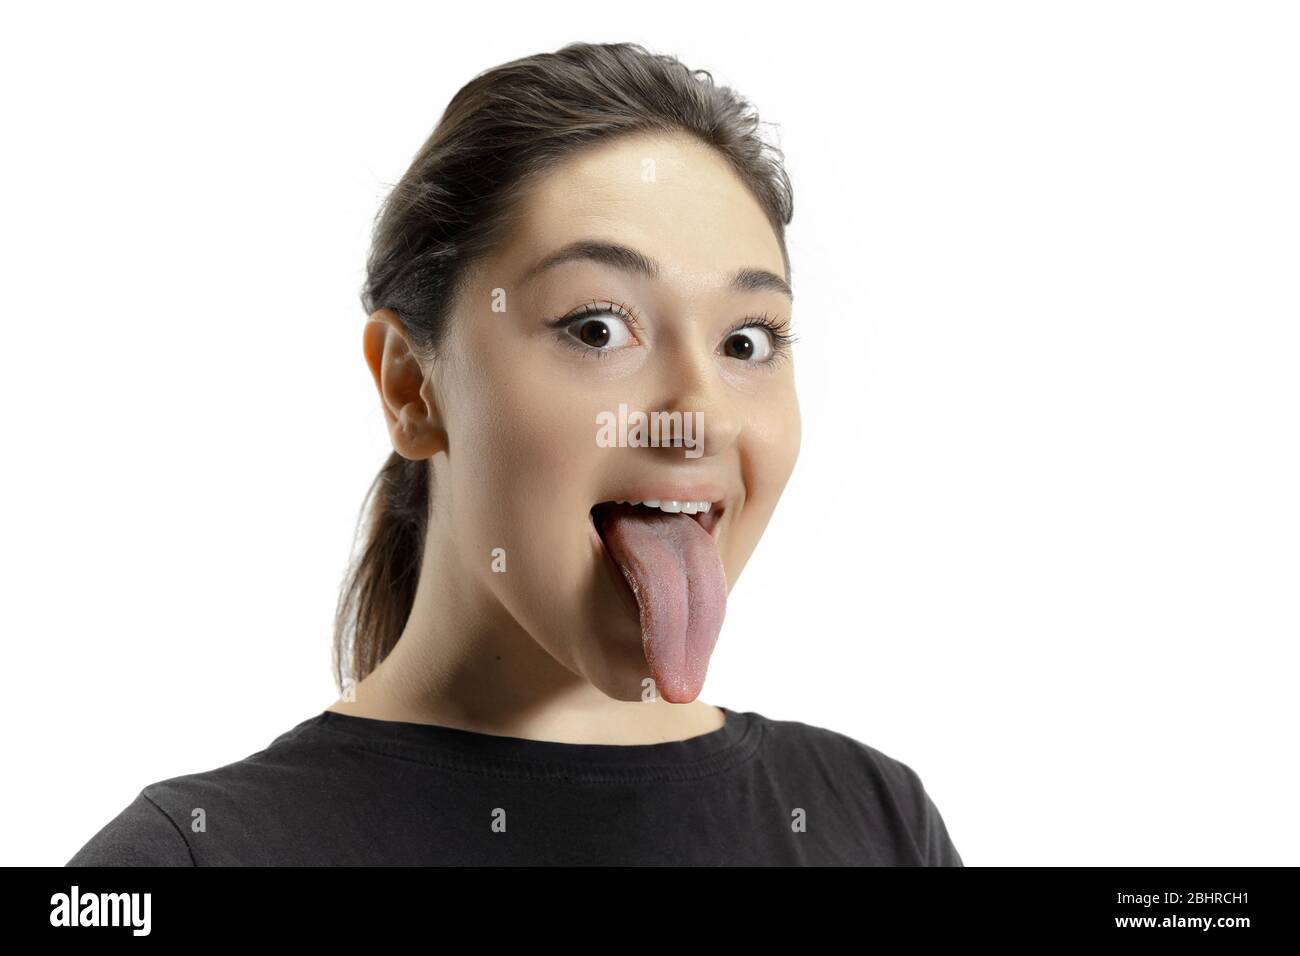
pixel 676 573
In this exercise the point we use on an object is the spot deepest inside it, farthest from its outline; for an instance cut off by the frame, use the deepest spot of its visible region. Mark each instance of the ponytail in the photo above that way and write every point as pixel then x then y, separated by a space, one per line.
pixel 379 590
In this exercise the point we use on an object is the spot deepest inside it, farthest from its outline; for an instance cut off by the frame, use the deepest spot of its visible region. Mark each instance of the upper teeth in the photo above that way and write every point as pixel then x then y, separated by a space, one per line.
pixel 688 507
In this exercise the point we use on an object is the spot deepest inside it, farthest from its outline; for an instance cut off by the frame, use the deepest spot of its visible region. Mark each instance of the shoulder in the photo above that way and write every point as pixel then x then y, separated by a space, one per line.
pixel 887 792
pixel 808 744
pixel 142 834
pixel 203 818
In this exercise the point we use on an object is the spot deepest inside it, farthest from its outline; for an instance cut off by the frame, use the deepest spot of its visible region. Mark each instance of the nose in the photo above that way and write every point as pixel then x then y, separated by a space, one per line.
pixel 691 384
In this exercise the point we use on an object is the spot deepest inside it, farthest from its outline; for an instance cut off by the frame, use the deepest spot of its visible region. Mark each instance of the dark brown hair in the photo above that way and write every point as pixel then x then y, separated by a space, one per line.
pixel 504 128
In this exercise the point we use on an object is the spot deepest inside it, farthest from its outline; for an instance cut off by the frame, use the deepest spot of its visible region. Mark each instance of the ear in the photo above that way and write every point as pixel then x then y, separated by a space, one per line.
pixel 413 419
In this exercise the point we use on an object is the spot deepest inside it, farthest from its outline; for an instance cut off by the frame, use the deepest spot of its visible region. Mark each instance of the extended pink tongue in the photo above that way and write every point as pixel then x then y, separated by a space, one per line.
pixel 676 573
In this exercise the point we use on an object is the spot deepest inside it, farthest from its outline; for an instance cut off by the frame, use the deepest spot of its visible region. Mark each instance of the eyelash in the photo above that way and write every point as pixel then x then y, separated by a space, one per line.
pixel 778 330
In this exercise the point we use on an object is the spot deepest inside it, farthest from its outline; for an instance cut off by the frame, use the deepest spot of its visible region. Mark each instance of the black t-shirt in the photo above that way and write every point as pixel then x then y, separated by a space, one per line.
pixel 345 790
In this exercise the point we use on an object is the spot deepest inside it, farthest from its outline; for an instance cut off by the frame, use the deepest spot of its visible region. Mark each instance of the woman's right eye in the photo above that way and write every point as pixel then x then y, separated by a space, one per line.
pixel 603 332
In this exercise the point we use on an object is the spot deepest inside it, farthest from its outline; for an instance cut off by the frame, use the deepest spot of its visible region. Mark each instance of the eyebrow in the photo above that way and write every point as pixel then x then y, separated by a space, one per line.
pixel 630 260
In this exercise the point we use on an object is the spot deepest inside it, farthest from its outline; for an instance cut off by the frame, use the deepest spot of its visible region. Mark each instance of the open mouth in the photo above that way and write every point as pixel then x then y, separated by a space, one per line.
pixel 707 514
pixel 664 554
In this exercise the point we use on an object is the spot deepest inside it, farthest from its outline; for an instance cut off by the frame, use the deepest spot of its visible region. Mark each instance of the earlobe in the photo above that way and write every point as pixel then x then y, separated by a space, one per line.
pixel 416 431
pixel 409 414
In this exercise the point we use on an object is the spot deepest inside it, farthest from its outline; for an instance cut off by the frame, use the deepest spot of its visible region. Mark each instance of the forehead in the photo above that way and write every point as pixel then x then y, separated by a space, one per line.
pixel 668 196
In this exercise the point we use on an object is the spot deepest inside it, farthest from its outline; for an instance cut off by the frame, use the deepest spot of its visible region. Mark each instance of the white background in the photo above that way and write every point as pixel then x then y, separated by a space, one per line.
pixel 1041 544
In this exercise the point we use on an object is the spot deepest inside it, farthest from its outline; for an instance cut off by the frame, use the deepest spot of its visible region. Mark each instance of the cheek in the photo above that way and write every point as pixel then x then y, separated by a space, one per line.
pixel 517 522
pixel 770 447
pixel 774 436
pixel 523 456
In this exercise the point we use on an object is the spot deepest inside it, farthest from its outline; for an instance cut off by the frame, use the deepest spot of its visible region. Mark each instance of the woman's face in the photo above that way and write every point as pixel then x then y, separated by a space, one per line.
pixel 531 405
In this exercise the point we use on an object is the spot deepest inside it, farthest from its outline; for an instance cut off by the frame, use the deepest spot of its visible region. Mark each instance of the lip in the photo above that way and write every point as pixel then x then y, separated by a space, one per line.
pixel 673 492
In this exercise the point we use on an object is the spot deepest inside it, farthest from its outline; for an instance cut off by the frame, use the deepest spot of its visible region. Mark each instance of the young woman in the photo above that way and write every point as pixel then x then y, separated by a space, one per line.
pixel 579 331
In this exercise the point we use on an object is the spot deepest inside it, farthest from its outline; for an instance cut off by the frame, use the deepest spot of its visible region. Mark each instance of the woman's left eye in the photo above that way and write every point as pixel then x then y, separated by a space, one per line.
pixel 751 344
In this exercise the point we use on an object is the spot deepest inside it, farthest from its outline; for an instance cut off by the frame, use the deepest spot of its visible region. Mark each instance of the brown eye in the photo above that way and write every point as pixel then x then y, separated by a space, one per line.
pixel 600 332
pixel 748 345
pixel 594 333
